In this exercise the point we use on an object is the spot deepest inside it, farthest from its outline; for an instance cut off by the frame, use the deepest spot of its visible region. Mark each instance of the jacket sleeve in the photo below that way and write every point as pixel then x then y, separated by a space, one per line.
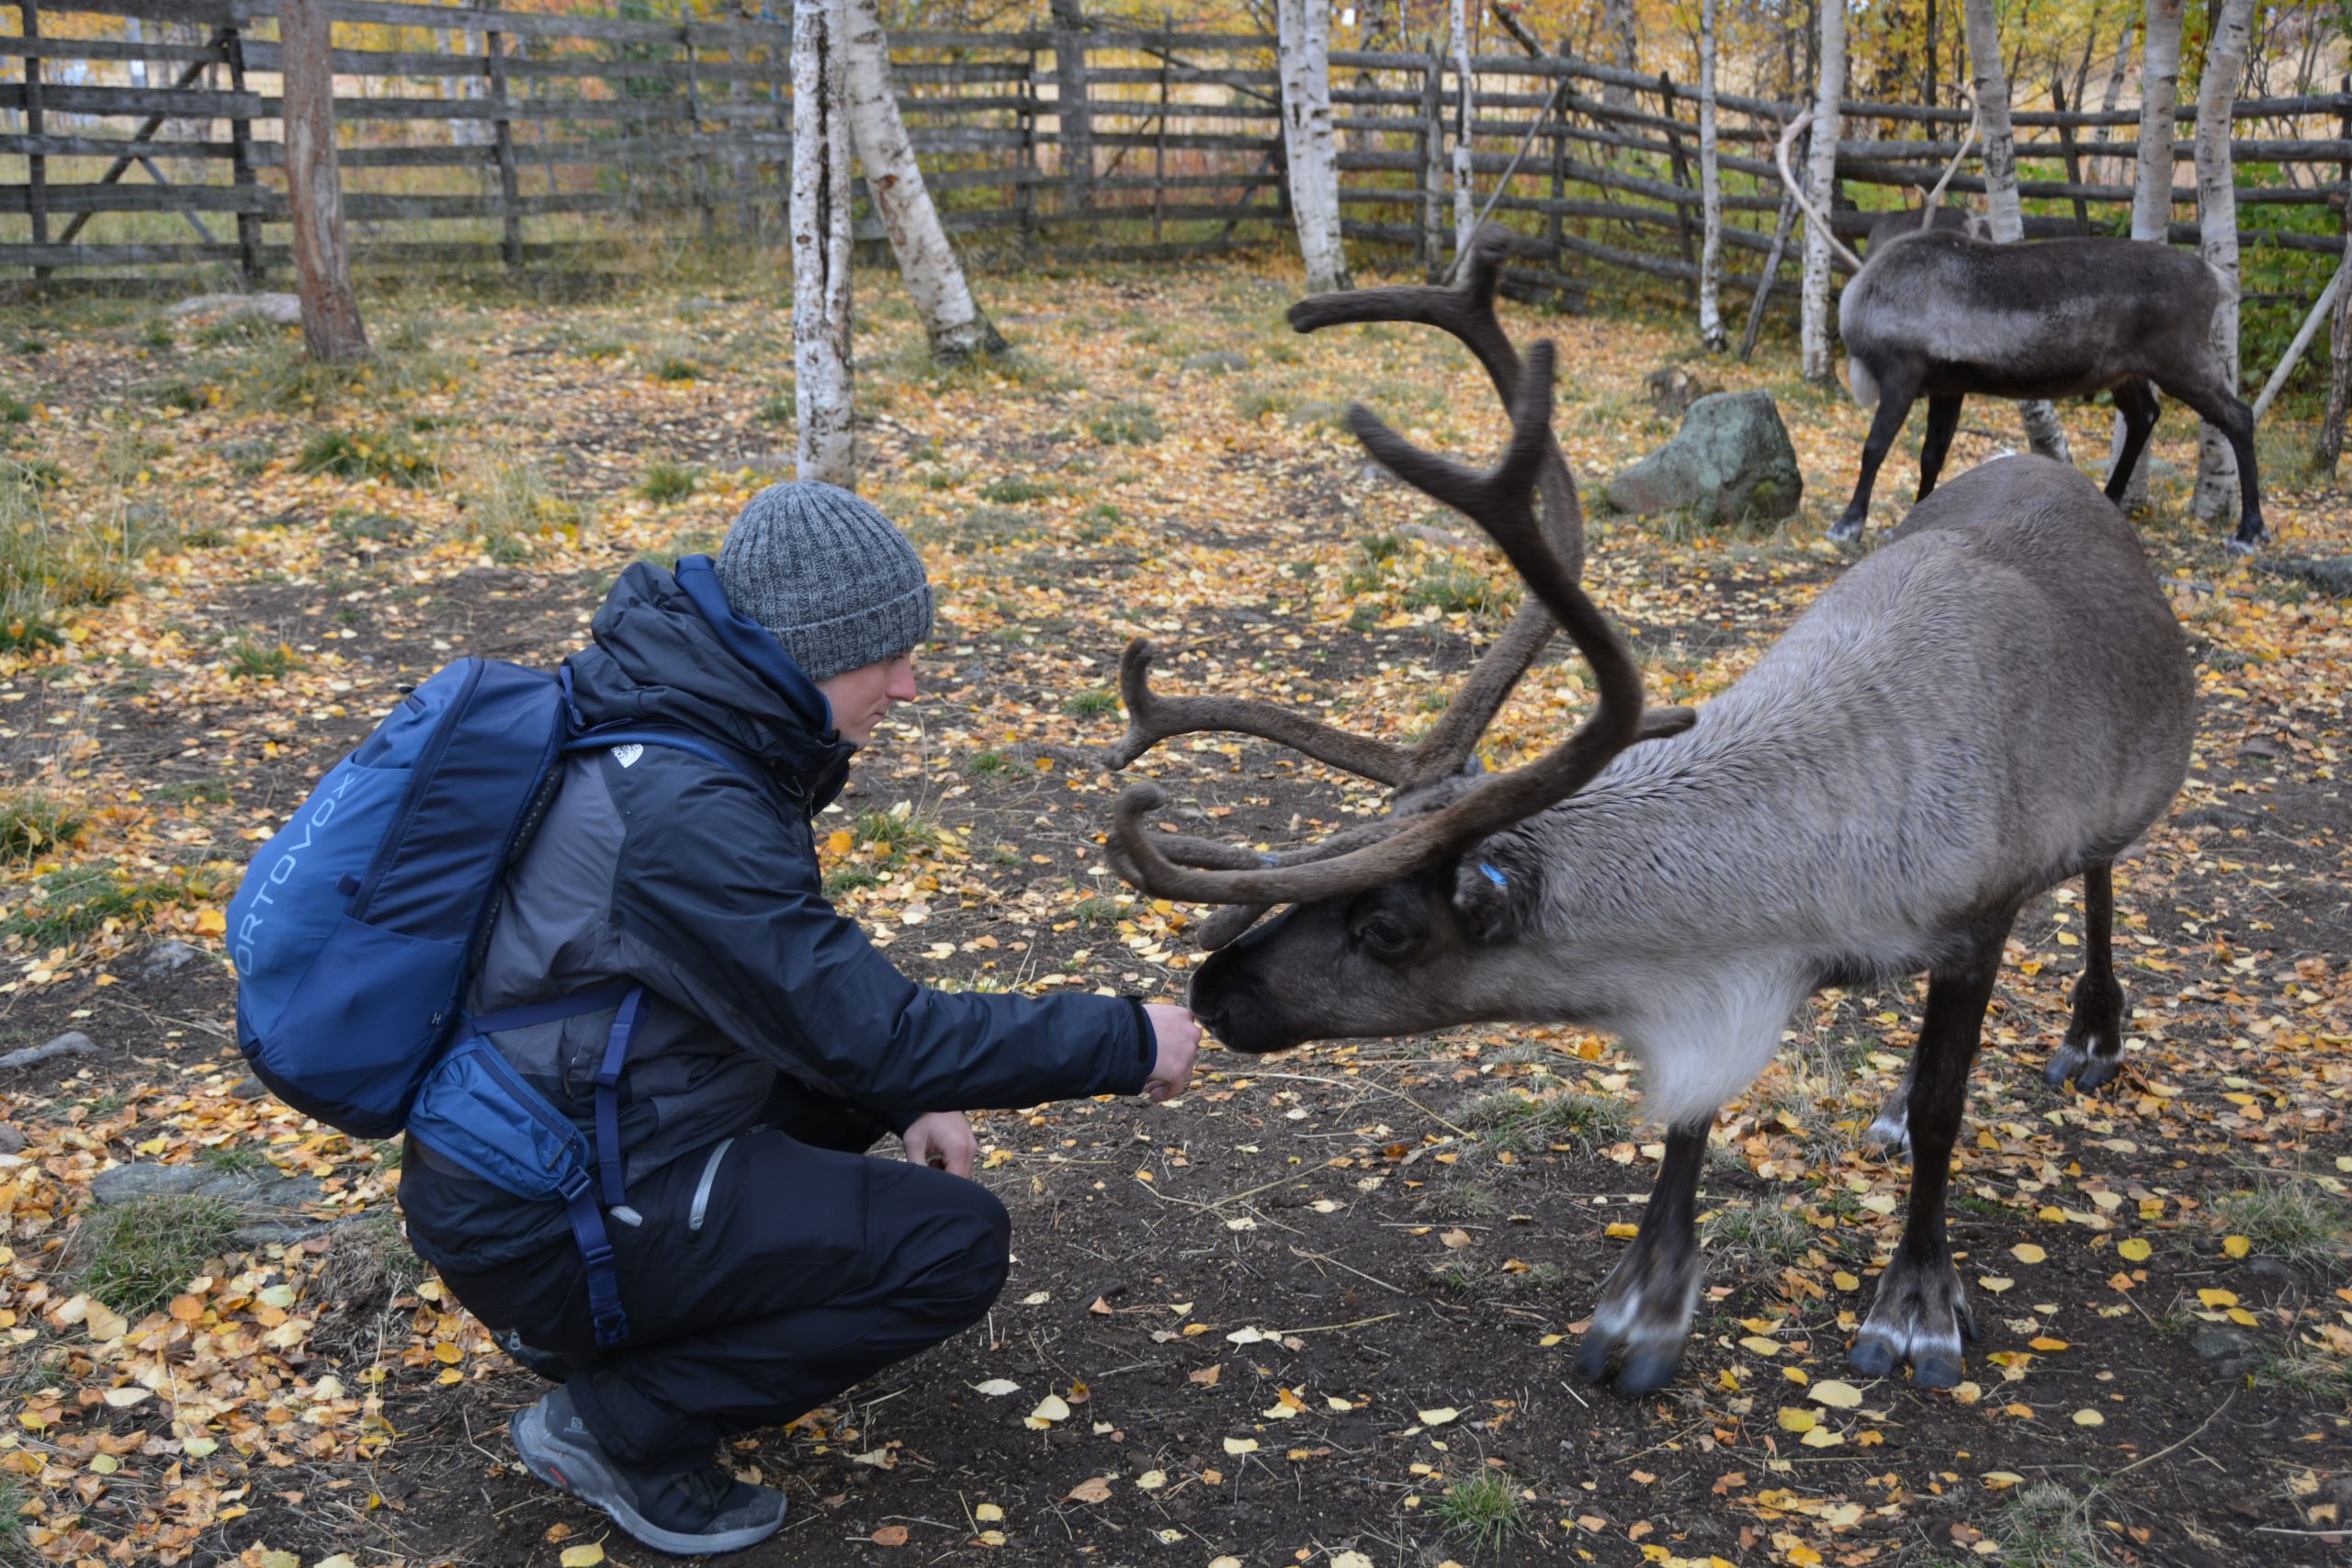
pixel 714 879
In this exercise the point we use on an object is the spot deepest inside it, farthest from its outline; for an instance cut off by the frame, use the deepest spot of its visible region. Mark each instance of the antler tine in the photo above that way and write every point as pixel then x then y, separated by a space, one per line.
pixel 1152 718
pixel 1813 214
pixel 1967 139
pixel 1467 310
pixel 1496 502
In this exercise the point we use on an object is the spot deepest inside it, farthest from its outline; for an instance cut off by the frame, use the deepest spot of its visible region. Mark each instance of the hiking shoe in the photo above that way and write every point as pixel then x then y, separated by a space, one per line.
pixel 701 1512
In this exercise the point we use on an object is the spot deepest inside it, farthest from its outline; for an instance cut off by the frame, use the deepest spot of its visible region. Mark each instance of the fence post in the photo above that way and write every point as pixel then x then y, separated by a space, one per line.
pixel 241 161
pixel 694 132
pixel 37 164
pixel 1432 140
pixel 509 186
pixel 1159 140
pixel 2066 150
pixel 1554 227
pixel 1025 192
pixel 1683 180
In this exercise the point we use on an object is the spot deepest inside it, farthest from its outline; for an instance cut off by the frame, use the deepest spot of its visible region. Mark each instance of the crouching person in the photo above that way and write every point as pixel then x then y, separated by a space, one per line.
pixel 751 1043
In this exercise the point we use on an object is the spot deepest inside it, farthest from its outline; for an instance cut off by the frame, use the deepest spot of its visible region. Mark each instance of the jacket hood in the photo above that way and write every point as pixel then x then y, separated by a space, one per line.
pixel 669 649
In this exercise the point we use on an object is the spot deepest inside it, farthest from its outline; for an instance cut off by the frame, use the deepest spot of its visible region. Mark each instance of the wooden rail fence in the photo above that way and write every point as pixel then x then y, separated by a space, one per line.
pixel 145 134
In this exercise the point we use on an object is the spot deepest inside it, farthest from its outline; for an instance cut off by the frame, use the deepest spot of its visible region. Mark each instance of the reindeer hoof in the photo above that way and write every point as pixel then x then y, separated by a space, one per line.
pixel 2091 1070
pixel 1645 1311
pixel 1891 1130
pixel 1920 1316
pixel 1845 530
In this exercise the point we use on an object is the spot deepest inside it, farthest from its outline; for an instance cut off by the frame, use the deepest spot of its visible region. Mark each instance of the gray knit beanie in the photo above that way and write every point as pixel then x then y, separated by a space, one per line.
pixel 832 577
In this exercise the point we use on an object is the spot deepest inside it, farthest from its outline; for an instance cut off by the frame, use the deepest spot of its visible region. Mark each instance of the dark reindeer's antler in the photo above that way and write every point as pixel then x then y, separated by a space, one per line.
pixel 1498 501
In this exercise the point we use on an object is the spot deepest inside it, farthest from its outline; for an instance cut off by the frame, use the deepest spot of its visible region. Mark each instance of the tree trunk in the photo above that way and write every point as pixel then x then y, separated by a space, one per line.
pixel 330 326
pixel 2042 431
pixel 1303 41
pixel 1465 217
pixel 1070 107
pixel 2330 451
pixel 1711 191
pixel 821 246
pixel 2151 180
pixel 2215 498
pixel 1619 37
pixel 1821 180
pixel 956 324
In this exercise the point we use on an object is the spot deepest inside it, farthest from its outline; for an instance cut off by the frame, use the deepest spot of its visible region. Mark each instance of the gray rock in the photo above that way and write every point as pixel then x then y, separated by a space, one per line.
pixel 163 958
pixel 269 1205
pixel 1217 362
pixel 73 1042
pixel 248 1087
pixel 2233 1353
pixel 1315 411
pixel 2329 574
pixel 1672 389
pixel 1731 462
pixel 282 309
pixel 11 1141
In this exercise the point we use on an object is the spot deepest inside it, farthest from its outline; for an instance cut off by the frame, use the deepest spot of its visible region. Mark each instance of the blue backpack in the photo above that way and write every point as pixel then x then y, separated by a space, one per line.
pixel 358 924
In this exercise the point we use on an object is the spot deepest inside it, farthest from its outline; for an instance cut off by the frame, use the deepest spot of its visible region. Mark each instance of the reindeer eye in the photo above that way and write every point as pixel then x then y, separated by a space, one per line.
pixel 1384 936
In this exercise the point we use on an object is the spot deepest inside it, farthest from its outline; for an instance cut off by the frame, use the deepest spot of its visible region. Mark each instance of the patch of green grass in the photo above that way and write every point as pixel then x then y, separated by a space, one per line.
pixel 2046 1525
pixel 1125 425
pixel 233 1159
pixel 249 657
pixel 393 457
pixel 1485 1511
pixel 944 479
pixel 1092 705
pixel 30 346
pixel 1096 914
pixel 1761 1237
pixel 667 481
pixel 2314 1373
pixel 142 1254
pixel 185 396
pixel 1587 1120
pixel 69 905
pixel 513 510
pixel 53 559
pixel 1456 588
pixel 781 409
pixel 988 764
pixel 677 370
pixel 1258 401
pixel 354 524
pixel 33 824
pixel 14 410
pixel 896 833
pixel 1012 490
pixel 213 791
pixel 39 474
pixel 2288 1217
pixel 848 880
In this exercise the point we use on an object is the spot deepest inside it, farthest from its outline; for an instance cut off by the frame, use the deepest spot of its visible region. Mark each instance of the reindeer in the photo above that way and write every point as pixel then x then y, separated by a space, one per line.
pixel 1685 881
pixel 1945 315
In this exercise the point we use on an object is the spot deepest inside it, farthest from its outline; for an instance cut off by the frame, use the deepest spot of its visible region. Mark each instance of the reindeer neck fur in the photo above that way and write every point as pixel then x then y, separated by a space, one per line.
pixel 1898 761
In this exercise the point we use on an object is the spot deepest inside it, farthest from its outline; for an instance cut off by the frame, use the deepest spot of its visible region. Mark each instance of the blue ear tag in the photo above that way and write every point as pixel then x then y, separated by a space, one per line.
pixel 1497 877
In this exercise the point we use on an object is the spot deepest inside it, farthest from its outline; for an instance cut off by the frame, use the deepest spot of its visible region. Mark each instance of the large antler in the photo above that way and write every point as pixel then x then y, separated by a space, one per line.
pixel 1967 139
pixel 1813 214
pixel 1497 501
pixel 1467 312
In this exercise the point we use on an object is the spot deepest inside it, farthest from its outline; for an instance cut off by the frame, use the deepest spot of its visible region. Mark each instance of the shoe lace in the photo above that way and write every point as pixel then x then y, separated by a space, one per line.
pixel 702 1492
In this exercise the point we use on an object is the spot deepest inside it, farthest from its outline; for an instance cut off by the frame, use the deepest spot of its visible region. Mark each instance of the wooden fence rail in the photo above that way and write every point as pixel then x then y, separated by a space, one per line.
pixel 470 136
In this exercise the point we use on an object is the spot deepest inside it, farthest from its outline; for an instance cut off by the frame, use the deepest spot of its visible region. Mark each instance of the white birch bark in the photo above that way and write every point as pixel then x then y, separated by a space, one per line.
pixel 821 246
pixel 1303 43
pixel 2042 431
pixel 464 132
pixel 2114 92
pixel 1711 191
pixel 2152 179
pixel 1821 183
pixel 950 317
pixel 1465 216
pixel 2215 497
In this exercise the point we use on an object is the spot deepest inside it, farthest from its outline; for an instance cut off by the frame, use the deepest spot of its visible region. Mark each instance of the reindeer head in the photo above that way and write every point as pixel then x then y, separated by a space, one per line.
pixel 1388 923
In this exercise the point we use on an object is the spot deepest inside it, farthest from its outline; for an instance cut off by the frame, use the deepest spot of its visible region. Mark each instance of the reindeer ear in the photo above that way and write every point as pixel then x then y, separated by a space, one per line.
pixel 1491 899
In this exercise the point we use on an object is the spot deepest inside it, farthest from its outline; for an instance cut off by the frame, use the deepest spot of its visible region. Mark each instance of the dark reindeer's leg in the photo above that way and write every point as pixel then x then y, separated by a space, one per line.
pixel 1895 395
pixel 2136 401
pixel 1921 1312
pixel 2093 1044
pixel 1891 1128
pixel 1943 417
pixel 1646 1302
pixel 2218 407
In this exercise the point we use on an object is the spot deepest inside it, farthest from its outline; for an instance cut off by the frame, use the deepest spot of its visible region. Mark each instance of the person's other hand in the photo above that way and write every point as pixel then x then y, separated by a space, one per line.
pixel 942 1140
pixel 1177 1040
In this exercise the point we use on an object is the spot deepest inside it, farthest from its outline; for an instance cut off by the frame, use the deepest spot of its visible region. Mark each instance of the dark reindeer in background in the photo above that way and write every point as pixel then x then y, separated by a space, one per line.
pixel 1877 797
pixel 1943 315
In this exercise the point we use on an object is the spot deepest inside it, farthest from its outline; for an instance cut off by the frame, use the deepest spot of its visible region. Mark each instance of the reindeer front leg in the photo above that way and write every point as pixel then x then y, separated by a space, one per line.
pixel 1646 1302
pixel 1921 1313
pixel 1897 390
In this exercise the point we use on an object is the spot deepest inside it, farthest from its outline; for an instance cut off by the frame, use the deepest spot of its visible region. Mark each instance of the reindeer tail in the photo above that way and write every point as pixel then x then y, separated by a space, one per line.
pixel 1864 384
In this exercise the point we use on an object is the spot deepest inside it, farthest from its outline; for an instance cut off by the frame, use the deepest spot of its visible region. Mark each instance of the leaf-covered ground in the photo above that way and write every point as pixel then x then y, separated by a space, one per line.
pixel 1324 1310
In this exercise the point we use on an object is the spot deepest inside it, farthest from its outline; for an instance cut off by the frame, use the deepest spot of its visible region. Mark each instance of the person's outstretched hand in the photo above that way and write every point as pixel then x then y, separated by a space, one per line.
pixel 942 1140
pixel 1177 1040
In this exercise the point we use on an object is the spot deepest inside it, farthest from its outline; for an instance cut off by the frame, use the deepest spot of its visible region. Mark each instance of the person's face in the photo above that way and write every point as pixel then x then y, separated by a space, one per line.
pixel 863 698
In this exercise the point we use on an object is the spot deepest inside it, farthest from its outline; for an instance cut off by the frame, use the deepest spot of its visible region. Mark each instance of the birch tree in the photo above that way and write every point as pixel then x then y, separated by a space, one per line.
pixel 1711 191
pixel 820 245
pixel 2216 494
pixel 1821 182
pixel 2152 179
pixel 950 317
pixel 1303 41
pixel 332 328
pixel 1465 217
pixel 2042 431
pixel 1619 37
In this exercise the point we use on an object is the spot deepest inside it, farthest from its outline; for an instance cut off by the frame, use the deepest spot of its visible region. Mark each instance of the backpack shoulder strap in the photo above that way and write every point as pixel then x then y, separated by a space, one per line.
pixel 709 750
